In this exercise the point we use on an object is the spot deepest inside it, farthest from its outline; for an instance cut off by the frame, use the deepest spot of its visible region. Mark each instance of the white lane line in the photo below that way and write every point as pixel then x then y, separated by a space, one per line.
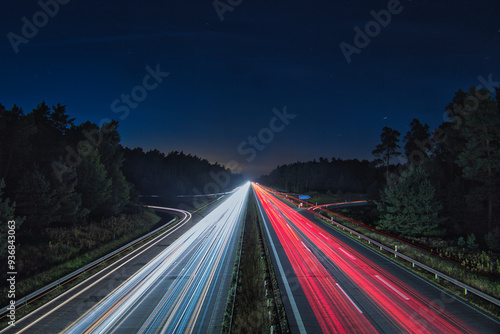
pixel 392 287
pixel 324 236
pixel 306 246
pixel 295 310
pixel 139 251
pixel 346 253
pixel 353 303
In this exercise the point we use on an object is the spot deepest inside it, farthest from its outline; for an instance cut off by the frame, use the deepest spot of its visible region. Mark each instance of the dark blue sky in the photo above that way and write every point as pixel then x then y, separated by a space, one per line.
pixel 225 77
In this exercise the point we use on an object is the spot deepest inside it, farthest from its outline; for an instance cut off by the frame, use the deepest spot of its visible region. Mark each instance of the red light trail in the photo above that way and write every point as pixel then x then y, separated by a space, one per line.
pixel 336 312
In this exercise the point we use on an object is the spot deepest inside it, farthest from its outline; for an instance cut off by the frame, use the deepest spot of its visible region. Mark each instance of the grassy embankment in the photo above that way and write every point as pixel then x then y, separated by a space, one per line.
pixel 254 300
pixel 67 250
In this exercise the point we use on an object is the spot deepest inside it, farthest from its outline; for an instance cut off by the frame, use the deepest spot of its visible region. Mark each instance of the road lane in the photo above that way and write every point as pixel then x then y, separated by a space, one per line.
pixel 334 310
pixel 177 286
pixel 386 302
pixel 55 315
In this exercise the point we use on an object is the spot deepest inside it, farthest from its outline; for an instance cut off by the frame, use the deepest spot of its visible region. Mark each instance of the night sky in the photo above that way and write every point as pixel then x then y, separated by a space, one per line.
pixel 226 76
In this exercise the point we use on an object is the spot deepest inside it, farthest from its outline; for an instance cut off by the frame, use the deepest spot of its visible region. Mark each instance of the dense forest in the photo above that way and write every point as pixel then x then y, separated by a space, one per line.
pixel 176 173
pixel 446 179
pixel 71 188
pixel 335 175
pixel 63 182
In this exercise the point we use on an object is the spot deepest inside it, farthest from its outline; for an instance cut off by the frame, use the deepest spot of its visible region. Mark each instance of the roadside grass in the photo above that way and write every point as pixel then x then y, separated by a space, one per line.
pixel 139 224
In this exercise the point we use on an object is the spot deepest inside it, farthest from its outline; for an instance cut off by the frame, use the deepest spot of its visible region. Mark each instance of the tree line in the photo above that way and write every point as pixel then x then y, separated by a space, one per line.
pixel 176 173
pixel 53 175
pixel 324 175
pixel 447 178
pixel 62 181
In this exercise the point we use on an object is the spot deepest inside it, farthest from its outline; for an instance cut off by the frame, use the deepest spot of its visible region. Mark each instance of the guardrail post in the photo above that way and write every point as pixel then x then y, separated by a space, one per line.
pixel 395 251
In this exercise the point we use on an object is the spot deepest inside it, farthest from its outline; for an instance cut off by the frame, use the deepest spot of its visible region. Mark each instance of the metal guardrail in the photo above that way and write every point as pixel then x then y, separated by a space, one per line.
pixel 77 272
pixel 467 288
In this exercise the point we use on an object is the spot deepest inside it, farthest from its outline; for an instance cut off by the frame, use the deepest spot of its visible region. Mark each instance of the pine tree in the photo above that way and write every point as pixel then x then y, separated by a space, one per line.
pixel 480 158
pixel 388 148
pixel 15 146
pixel 417 143
pixel 60 121
pixel 409 208
pixel 36 199
pixel 70 201
pixel 93 181
pixel 111 154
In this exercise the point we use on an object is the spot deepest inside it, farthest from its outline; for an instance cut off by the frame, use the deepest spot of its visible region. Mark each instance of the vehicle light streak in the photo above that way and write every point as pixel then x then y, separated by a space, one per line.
pixel 390 295
pixel 334 310
pixel 196 256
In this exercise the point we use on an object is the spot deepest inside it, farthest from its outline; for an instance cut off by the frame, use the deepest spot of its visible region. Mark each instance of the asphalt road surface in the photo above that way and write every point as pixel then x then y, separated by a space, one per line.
pixel 177 283
pixel 333 284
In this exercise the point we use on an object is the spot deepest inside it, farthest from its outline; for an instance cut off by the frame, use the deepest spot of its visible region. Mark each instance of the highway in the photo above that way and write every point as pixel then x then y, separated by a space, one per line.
pixel 177 283
pixel 57 314
pixel 179 291
pixel 333 284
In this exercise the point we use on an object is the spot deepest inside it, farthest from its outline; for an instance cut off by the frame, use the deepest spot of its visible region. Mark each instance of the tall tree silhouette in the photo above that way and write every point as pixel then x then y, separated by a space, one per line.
pixel 417 142
pixel 480 158
pixel 388 148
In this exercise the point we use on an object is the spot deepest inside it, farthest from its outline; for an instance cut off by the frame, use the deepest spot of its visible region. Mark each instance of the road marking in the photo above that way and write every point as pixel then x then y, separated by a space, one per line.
pixel 324 236
pixel 353 303
pixel 295 310
pixel 140 250
pixel 346 253
pixel 306 247
pixel 392 287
